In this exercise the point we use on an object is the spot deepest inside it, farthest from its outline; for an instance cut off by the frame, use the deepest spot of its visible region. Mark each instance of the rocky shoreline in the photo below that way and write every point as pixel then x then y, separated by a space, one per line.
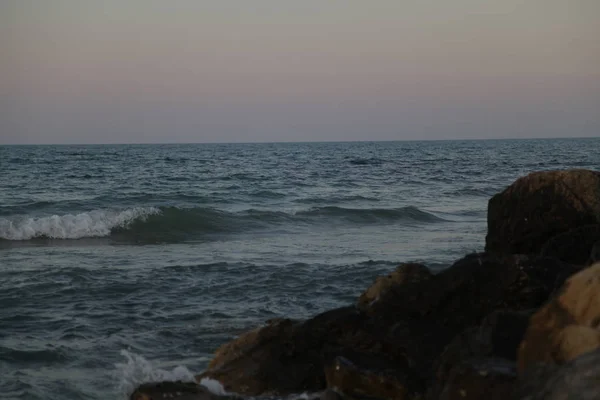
pixel 518 321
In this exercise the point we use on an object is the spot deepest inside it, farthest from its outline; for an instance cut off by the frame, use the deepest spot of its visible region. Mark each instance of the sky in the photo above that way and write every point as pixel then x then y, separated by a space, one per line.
pixel 156 71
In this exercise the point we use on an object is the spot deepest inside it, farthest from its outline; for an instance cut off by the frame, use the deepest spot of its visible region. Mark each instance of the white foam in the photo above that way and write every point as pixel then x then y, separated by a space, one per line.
pixel 137 370
pixel 214 386
pixel 97 223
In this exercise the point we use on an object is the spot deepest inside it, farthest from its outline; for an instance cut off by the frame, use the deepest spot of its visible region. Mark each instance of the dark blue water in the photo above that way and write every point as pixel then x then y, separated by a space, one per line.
pixel 121 264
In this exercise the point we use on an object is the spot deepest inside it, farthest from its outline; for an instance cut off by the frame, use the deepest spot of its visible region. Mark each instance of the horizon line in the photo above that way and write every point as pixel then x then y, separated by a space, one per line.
pixel 298 141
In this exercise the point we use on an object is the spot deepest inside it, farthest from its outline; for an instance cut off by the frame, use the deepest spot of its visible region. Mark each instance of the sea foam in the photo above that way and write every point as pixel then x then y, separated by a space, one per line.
pixel 97 223
pixel 137 370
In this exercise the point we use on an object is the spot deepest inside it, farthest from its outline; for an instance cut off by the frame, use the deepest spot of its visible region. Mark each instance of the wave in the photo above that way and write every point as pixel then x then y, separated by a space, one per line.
pixel 335 199
pixel 408 213
pixel 97 223
pixel 173 224
pixel 366 161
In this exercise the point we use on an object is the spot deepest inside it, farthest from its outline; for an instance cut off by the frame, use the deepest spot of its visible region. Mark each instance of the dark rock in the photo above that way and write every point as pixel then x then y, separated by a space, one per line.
pixel 578 379
pixel 490 379
pixel 292 360
pixel 540 206
pixel 370 377
pixel 580 246
pixel 568 325
pixel 410 325
pixel 424 317
pixel 404 273
pixel 498 337
pixel 177 391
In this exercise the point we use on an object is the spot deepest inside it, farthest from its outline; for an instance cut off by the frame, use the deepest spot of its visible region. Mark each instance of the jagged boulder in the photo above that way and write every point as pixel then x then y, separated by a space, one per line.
pixel 540 206
pixel 568 325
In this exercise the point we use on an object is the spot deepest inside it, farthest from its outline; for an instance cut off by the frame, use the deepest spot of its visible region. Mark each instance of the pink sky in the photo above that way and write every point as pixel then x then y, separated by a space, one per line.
pixel 76 71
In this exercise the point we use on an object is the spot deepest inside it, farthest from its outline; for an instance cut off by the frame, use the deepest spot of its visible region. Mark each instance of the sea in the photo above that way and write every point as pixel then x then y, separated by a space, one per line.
pixel 122 264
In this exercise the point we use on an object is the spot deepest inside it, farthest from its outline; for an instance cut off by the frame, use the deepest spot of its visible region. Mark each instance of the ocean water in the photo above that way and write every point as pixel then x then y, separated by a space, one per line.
pixel 128 263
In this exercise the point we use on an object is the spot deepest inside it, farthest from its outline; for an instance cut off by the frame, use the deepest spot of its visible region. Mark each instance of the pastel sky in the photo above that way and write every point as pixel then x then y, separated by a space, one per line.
pixel 147 71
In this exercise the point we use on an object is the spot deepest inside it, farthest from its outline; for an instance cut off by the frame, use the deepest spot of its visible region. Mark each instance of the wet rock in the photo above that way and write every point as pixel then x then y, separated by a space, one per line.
pixel 404 273
pixel 177 391
pixel 580 246
pixel 490 379
pixel 566 327
pixel 374 379
pixel 578 379
pixel 540 206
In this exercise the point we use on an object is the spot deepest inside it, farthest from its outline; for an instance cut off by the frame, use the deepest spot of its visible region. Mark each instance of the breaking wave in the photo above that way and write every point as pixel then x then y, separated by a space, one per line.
pixel 96 223
pixel 156 224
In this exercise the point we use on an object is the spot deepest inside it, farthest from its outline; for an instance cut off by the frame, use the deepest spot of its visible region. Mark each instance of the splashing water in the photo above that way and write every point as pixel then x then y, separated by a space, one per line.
pixel 137 370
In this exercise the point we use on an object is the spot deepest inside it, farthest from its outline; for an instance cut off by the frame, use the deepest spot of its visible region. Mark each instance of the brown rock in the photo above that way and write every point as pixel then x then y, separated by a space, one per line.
pixel 292 360
pixel 540 206
pixel 378 379
pixel 489 379
pixel 580 246
pixel 248 341
pixel 566 327
pixel 404 273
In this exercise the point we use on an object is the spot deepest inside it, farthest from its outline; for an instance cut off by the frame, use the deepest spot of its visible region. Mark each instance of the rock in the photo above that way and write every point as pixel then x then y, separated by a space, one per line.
pixel 177 391
pixel 498 337
pixel 540 206
pixel 490 379
pixel 247 342
pixel 578 379
pixel 404 273
pixel 289 358
pixel 424 317
pixel 410 325
pixel 566 327
pixel 373 378
pixel 580 246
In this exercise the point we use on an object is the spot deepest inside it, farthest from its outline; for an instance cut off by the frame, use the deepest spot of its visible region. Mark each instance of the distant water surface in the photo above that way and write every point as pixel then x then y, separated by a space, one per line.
pixel 122 264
